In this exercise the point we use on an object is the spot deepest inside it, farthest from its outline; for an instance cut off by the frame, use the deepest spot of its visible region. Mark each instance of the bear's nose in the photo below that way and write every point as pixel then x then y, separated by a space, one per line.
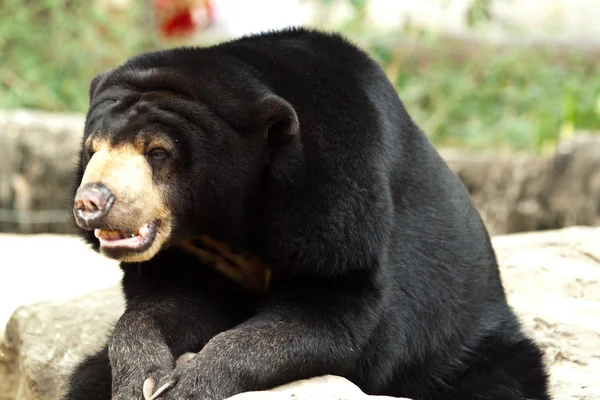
pixel 92 203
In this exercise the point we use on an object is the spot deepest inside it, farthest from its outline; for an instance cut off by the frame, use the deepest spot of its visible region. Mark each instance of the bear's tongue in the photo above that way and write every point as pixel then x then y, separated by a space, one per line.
pixel 116 237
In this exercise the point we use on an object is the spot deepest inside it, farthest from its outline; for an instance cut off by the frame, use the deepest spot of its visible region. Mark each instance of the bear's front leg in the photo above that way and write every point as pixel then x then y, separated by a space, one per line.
pixel 296 337
pixel 137 351
pixel 165 318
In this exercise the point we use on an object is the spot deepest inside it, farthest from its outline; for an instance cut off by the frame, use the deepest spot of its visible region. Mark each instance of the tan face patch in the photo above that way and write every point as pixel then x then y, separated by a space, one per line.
pixel 124 170
pixel 242 267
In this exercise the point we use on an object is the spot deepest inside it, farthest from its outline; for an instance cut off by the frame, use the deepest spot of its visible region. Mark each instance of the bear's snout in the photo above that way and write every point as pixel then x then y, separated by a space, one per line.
pixel 92 204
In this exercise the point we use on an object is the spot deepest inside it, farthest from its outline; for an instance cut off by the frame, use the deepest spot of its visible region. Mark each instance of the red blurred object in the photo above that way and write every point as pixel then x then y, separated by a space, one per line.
pixel 183 17
pixel 179 25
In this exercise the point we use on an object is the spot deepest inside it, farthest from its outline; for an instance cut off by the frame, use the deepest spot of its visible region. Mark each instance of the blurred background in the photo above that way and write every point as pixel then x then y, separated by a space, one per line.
pixel 507 90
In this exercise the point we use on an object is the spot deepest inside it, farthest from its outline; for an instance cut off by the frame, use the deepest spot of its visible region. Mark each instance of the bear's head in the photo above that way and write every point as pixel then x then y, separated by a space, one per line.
pixel 175 145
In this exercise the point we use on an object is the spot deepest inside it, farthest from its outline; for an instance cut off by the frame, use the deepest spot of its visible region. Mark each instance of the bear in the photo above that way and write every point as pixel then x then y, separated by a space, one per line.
pixel 278 214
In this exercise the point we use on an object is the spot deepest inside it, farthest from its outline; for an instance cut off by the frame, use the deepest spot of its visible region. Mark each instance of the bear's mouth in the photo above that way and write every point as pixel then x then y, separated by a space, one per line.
pixel 116 243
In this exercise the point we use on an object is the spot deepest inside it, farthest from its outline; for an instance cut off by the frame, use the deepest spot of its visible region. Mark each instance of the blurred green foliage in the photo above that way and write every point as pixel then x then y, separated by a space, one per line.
pixel 518 97
pixel 521 97
pixel 51 49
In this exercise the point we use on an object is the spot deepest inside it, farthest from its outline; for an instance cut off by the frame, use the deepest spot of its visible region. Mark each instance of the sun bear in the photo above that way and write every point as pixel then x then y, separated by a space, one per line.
pixel 276 210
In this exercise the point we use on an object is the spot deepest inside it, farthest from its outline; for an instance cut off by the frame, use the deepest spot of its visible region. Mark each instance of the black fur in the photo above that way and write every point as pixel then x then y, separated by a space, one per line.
pixel 295 146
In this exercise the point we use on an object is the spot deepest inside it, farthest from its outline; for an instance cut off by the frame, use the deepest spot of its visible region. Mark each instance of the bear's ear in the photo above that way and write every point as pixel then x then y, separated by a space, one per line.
pixel 94 84
pixel 277 118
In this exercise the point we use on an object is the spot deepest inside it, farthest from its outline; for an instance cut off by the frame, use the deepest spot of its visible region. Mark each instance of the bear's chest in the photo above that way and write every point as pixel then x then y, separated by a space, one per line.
pixel 242 267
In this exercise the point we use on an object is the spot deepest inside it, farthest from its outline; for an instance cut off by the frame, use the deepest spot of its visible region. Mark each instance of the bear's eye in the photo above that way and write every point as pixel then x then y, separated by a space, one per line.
pixel 157 155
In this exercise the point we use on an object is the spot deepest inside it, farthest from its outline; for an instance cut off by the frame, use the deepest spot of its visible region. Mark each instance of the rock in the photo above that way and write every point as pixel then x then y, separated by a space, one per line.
pixel 44 267
pixel 523 193
pixel 553 281
pixel 514 193
pixel 37 160
pixel 47 339
pixel 328 387
pixel 49 267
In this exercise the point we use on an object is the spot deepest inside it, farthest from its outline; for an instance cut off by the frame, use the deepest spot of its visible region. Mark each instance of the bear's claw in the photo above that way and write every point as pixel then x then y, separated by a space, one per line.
pixel 149 383
pixel 148 388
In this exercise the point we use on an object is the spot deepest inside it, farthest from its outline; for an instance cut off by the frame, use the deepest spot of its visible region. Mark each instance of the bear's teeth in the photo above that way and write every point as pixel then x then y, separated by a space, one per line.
pixel 115 234
pixel 107 234
pixel 144 230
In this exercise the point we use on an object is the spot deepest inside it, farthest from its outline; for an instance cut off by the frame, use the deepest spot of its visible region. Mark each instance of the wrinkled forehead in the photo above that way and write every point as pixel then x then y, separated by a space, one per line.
pixel 127 119
pixel 130 107
pixel 212 92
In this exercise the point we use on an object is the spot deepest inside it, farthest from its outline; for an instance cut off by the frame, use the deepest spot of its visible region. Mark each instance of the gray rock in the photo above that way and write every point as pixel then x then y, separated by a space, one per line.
pixel 46 340
pixel 524 193
pixel 328 387
pixel 37 159
pixel 50 267
pixel 552 279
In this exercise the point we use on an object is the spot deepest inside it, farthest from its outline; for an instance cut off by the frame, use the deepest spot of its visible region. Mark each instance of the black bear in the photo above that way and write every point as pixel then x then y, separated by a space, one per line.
pixel 276 211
